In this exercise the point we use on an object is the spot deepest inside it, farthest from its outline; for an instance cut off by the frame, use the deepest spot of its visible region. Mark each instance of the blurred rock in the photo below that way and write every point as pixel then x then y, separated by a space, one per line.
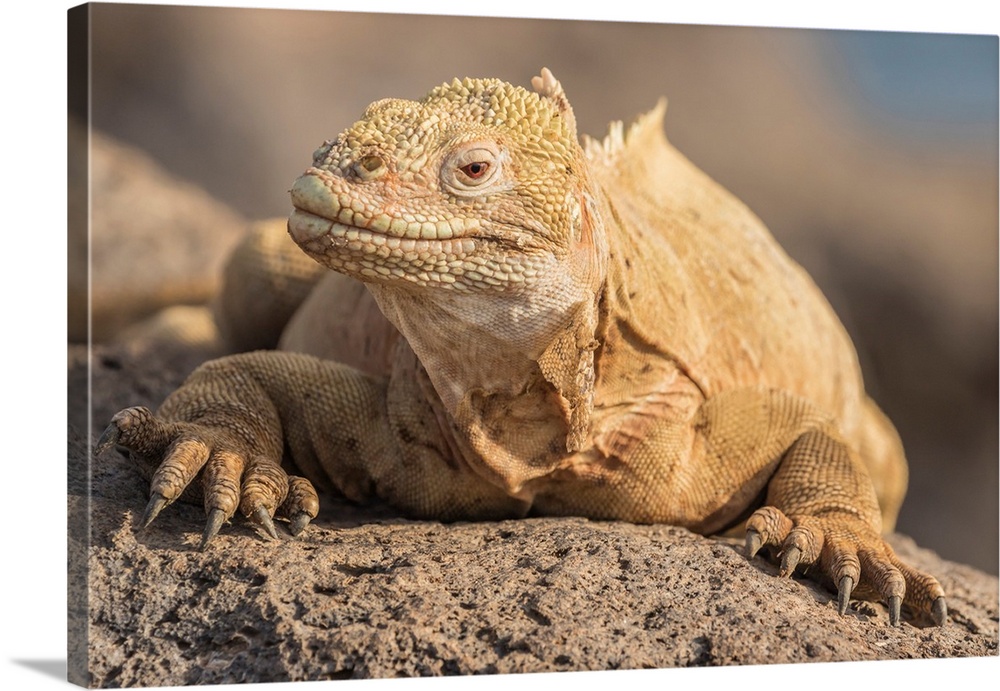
pixel 186 326
pixel 155 241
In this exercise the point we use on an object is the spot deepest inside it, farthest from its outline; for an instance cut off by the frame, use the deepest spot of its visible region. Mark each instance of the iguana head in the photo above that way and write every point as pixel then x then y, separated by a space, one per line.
pixel 470 214
pixel 479 186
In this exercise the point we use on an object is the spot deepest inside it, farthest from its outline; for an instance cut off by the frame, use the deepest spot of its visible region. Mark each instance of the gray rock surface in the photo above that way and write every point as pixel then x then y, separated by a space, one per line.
pixel 366 593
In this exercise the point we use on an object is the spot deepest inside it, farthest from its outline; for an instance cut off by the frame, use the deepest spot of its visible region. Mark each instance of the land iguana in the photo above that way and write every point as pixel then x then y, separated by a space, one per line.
pixel 548 327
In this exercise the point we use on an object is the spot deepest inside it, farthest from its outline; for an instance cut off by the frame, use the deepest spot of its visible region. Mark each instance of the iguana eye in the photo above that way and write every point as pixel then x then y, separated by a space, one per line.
pixel 475 170
pixel 472 168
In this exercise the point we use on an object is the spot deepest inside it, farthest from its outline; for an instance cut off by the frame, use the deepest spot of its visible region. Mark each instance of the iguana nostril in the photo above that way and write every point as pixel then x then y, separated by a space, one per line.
pixel 370 167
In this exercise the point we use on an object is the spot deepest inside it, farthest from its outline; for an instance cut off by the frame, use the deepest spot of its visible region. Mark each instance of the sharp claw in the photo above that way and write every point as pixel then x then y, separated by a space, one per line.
pixel 156 503
pixel 265 520
pixel 753 543
pixel 215 520
pixel 299 523
pixel 844 594
pixel 939 611
pixel 108 439
pixel 895 602
pixel 789 560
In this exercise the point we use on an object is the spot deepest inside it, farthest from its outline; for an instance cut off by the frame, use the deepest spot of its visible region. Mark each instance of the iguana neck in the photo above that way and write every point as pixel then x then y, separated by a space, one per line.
pixel 490 343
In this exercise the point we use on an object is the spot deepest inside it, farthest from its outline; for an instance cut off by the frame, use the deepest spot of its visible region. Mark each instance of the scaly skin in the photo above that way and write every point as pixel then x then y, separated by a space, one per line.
pixel 597 330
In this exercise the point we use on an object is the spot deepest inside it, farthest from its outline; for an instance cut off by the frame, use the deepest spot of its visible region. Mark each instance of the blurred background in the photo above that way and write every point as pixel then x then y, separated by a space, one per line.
pixel 871 156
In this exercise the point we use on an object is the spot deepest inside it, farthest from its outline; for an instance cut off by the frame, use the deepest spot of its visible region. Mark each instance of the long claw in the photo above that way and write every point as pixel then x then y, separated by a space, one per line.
pixel 844 594
pixel 215 520
pixel 108 439
pixel 156 503
pixel 895 602
pixel 299 523
pixel 789 560
pixel 265 520
pixel 939 611
pixel 753 543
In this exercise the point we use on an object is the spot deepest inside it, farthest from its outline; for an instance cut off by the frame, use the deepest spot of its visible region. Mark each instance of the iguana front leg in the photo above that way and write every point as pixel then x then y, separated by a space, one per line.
pixel 821 509
pixel 710 469
pixel 820 505
pixel 171 453
pixel 232 422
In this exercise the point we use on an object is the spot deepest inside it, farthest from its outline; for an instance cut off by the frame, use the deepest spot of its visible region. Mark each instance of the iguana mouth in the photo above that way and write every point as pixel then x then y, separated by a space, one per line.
pixel 370 255
pixel 330 197
pixel 318 234
pixel 349 234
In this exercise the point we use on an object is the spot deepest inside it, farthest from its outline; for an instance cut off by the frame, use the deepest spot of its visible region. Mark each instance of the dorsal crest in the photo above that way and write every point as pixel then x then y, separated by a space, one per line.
pixel 617 141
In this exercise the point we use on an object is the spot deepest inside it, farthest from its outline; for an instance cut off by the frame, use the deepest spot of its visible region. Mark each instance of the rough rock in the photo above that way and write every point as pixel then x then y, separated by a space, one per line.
pixel 366 593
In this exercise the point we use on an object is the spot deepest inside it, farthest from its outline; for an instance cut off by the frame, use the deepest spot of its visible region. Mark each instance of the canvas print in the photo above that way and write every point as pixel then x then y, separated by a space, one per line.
pixel 420 345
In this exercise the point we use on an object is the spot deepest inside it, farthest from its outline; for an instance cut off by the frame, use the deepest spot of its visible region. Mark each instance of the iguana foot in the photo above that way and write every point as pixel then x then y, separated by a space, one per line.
pixel 232 475
pixel 852 555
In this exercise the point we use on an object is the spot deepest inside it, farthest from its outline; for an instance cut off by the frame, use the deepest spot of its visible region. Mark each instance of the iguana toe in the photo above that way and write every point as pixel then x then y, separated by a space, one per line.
pixel 789 560
pixel 299 523
pixel 844 594
pixel 895 604
pixel 753 543
pixel 138 430
pixel 216 518
pixel 157 502
pixel 264 518
pixel 301 505
pixel 939 611
pixel 108 438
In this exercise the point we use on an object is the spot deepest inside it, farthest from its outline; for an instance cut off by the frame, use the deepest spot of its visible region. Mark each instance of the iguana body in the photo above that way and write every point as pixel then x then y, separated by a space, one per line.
pixel 597 330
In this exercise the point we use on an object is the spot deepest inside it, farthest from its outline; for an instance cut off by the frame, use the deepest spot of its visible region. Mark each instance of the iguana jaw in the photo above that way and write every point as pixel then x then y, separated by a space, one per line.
pixel 331 223
pixel 372 256
pixel 331 197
